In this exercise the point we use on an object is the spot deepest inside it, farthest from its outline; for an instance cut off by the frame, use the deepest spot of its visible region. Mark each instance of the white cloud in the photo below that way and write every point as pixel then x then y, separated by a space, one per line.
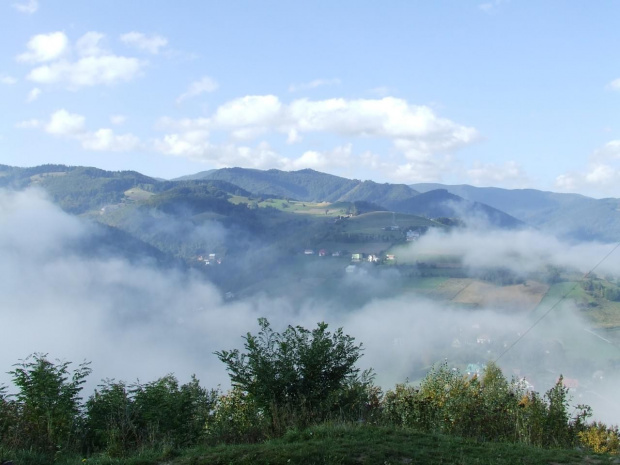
pixel 510 174
pixel 73 126
pixel 28 6
pixel 600 177
pixel 313 84
pixel 615 84
pixel 118 119
pixel 89 45
pixel 259 112
pixel 104 140
pixel 63 123
pixel 45 47
pixel 150 44
pixel 33 95
pixel 341 156
pixel 204 85
pixel 88 71
pixel 422 141
pixel 417 127
pixel 94 65
pixel 6 79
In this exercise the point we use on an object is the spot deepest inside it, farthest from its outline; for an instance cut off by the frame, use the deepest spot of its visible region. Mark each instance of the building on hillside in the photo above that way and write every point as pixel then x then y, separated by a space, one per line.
pixel 357 257
pixel 308 252
pixel 322 253
pixel 372 258
pixel 390 257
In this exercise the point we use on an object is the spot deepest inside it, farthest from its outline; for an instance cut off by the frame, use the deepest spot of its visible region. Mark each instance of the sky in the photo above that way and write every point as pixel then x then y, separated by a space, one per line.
pixel 506 93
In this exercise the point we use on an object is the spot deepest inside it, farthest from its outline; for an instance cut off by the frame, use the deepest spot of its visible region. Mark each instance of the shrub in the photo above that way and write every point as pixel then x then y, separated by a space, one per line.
pixel 601 439
pixel 296 377
pixel 235 419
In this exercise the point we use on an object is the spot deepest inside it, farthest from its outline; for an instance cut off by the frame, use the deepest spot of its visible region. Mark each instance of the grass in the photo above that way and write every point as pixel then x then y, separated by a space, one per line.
pixel 136 194
pixel 354 445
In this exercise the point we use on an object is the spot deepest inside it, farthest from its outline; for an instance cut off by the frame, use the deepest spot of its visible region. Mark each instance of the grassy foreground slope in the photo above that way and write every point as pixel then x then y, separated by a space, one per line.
pixel 355 445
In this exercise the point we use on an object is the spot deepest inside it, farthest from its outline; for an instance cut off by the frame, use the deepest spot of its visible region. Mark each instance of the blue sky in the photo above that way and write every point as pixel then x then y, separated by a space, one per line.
pixel 508 93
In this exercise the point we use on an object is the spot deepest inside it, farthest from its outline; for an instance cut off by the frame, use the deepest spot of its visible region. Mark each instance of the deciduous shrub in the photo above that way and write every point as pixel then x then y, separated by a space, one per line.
pixel 296 377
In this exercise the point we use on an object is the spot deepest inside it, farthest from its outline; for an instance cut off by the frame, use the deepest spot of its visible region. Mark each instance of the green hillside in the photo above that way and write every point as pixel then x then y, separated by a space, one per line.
pixel 573 215
pixel 308 185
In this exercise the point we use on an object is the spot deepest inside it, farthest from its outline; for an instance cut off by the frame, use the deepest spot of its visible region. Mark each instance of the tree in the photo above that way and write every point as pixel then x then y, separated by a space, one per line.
pixel 49 402
pixel 299 374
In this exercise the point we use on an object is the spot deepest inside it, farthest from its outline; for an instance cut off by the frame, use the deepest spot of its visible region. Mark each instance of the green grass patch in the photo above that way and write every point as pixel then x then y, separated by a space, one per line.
pixel 137 195
pixel 354 445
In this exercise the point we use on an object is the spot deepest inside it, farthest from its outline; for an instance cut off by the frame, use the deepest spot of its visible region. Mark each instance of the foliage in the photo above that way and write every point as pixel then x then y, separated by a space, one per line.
pixel 152 415
pixel 235 419
pixel 601 439
pixel 49 413
pixel 295 375
pixel 486 408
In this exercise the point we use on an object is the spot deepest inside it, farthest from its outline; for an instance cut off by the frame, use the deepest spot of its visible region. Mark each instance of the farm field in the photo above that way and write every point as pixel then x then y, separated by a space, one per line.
pixel 518 297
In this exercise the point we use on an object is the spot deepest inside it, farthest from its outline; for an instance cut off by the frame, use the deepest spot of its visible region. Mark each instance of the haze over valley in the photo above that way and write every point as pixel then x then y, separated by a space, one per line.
pixel 440 181
pixel 160 274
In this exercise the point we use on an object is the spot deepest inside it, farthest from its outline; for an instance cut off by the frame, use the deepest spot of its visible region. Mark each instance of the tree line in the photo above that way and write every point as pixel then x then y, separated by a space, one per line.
pixel 280 381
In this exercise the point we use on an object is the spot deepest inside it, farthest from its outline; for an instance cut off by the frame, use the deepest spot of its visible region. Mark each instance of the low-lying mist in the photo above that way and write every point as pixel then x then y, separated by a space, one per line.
pixel 136 320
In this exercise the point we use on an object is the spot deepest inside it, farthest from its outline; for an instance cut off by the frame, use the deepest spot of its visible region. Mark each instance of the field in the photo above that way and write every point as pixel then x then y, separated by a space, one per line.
pixel 519 297
pixel 136 194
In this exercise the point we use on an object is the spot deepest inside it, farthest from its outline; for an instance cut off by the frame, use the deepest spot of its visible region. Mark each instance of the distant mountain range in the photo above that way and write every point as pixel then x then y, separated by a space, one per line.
pixel 569 215
pixel 313 186
pixel 82 189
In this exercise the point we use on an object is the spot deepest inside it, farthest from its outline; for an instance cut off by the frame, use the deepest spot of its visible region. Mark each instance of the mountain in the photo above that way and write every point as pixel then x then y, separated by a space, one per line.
pixel 381 194
pixel 569 215
pixel 441 203
pixel 312 186
pixel 306 185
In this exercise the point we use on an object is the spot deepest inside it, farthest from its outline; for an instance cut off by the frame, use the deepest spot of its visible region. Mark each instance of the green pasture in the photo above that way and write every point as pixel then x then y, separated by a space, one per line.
pixel 137 195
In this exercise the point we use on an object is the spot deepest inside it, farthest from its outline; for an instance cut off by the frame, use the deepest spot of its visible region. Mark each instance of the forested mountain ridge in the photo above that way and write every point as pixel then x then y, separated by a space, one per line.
pixel 572 215
pixel 309 185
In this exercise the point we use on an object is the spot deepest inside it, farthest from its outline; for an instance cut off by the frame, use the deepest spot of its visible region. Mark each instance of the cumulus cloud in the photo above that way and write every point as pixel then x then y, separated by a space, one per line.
pixel 45 47
pixel 85 64
pixel 28 6
pixel 204 85
pixel 33 95
pixel 600 177
pixel 105 140
pixel 73 126
pixel 63 123
pixel 150 44
pixel 313 84
pixel 422 141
